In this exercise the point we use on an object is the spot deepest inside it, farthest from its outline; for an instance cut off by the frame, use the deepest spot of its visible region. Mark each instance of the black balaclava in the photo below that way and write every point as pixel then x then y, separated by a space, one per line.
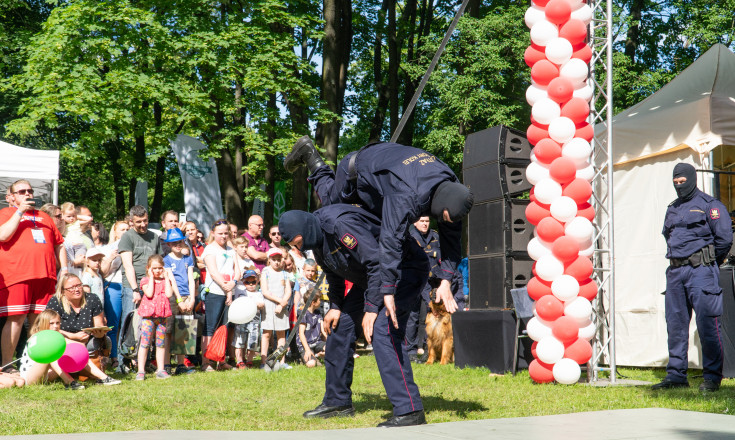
pixel 454 197
pixel 686 190
pixel 305 224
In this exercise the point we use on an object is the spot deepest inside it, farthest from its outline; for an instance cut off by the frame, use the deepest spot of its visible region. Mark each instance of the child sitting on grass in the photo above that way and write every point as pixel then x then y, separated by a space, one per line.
pixel 246 335
pixel 312 337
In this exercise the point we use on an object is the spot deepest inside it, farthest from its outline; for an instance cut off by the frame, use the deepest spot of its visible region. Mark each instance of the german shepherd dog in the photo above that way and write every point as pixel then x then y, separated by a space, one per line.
pixel 439 336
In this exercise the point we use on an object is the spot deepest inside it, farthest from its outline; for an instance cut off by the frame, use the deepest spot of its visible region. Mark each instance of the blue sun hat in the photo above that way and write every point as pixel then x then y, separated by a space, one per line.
pixel 173 235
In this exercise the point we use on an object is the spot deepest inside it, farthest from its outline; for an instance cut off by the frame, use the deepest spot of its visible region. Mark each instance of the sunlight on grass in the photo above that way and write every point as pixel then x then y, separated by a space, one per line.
pixel 253 400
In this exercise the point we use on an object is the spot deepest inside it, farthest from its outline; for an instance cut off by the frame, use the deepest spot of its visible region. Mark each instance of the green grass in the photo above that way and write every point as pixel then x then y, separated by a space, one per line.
pixel 254 400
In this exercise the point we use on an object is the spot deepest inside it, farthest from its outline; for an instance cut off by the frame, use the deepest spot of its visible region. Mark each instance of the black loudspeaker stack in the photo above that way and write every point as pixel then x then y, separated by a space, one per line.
pixel 494 168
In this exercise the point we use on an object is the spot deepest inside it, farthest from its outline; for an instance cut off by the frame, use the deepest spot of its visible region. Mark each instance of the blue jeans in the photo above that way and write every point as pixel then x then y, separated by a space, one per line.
pixel 113 312
pixel 127 304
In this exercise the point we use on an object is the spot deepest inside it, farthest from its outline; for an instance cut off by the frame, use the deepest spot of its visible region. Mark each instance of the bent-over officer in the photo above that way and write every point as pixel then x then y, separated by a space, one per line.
pixel 344 239
pixel 698 235
pixel 399 184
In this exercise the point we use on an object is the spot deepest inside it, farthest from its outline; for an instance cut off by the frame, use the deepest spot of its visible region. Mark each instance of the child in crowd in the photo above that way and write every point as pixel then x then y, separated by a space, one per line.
pixel 74 240
pixel 241 249
pixel 306 282
pixel 312 337
pixel 33 372
pixel 154 309
pixel 181 269
pixel 91 275
pixel 276 288
pixel 246 335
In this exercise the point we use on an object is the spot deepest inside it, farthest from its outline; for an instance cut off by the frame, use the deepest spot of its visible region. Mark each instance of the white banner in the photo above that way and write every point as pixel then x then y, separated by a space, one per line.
pixel 202 196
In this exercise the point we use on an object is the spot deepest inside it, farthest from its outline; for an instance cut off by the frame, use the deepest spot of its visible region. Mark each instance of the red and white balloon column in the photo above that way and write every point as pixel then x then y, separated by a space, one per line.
pixel 561 173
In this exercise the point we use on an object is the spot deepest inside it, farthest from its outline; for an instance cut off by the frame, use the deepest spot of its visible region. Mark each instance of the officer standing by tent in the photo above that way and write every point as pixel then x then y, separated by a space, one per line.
pixel 399 184
pixel 344 239
pixel 698 233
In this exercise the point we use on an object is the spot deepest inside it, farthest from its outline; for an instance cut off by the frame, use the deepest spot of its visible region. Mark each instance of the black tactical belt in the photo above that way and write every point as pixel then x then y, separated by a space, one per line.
pixel 703 256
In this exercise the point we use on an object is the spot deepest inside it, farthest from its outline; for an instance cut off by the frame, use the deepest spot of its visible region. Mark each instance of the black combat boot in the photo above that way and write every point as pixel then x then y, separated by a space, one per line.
pixel 303 151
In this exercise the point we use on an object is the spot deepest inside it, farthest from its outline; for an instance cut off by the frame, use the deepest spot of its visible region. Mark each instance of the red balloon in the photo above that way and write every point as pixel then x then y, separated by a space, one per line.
pixel 536 211
pixel 540 372
pixel 580 351
pixel 535 133
pixel 565 329
pixel 543 72
pixel 549 308
pixel 540 3
pixel 575 31
pixel 533 54
pixel 560 90
pixel 578 189
pixel 533 349
pixel 533 269
pixel 565 249
pixel 558 11
pixel 588 289
pixel 585 131
pixel 563 170
pixel 538 288
pixel 580 269
pixel 585 210
pixel 577 109
pixel 547 150
pixel 549 229
pixel 583 52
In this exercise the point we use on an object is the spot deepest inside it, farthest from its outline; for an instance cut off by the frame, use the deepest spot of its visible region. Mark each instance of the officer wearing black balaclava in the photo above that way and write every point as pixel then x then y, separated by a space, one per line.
pixel 344 239
pixel 698 233
pixel 399 184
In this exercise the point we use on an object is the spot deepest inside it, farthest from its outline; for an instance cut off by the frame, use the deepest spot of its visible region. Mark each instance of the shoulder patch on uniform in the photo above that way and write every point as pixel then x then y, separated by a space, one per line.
pixel 349 241
pixel 714 213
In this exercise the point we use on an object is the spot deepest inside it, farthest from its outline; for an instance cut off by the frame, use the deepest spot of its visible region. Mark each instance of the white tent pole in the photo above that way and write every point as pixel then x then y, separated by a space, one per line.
pixel 55 192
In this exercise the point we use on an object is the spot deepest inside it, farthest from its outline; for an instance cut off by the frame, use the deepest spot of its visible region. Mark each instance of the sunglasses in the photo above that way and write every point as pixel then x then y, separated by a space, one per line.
pixel 24 192
pixel 220 222
pixel 73 288
pixel 275 233
pixel 250 283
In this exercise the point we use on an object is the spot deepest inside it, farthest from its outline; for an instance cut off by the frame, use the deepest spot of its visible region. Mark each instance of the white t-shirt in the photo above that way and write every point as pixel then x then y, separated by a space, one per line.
pixel 115 275
pixel 225 261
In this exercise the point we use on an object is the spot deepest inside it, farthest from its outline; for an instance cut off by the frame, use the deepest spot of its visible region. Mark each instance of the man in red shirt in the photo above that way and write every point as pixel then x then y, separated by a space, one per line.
pixel 258 245
pixel 31 250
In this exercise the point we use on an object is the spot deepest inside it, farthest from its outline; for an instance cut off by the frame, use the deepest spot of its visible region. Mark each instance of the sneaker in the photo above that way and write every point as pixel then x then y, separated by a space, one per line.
pixel 285 366
pixel 108 381
pixel 249 364
pixel 182 369
pixel 208 369
pixel 167 368
pixel 162 375
pixel 74 385
pixel 709 386
pixel 241 366
pixel 224 366
pixel 10 370
pixel 140 376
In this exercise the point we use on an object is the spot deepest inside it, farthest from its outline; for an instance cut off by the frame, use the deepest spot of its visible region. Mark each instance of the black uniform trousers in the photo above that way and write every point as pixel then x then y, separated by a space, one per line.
pixel 694 288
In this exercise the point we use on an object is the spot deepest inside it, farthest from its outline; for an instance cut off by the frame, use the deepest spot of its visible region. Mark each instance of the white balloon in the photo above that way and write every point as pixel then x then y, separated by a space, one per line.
pixel 566 371
pixel 561 129
pixel 549 350
pixel 575 4
pixel 579 308
pixel 563 209
pixel 242 310
pixel 564 287
pixel 575 70
pixel 537 330
pixel 543 31
pixel 535 172
pixel 548 268
pixel 578 150
pixel 584 91
pixel 547 190
pixel 587 332
pixel 535 93
pixel 537 248
pixel 559 50
pixel 533 15
pixel 579 229
pixel 545 110
pixel 587 173
pixel 586 251
pixel 584 13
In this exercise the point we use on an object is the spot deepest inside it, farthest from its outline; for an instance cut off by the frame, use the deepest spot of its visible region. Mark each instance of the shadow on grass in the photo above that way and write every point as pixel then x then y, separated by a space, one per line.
pixel 456 407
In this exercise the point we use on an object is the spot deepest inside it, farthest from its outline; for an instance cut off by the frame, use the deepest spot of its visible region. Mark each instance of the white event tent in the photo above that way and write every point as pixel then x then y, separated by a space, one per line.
pixel 39 167
pixel 682 122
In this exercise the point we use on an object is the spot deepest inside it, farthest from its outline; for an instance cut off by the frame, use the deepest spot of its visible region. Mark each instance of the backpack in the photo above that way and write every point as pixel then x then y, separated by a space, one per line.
pixel 128 340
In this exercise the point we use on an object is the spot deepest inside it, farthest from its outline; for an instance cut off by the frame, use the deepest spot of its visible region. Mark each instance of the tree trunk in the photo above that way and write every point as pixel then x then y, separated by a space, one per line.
pixel 393 64
pixel 376 127
pixel 299 124
pixel 409 84
pixel 113 154
pixel 634 31
pixel 160 171
pixel 270 169
pixel 139 156
pixel 228 182
pixel 239 153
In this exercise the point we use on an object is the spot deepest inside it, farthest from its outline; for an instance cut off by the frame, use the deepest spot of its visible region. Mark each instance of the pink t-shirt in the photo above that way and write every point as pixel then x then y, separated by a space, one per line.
pixel 261 245
pixel 161 303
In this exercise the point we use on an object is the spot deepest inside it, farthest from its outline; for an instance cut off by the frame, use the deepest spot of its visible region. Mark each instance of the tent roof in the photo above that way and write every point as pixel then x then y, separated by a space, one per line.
pixel 28 163
pixel 693 110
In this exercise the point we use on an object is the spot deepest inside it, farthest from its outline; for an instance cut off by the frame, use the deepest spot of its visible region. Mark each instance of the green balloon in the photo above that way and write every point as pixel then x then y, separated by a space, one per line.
pixel 46 346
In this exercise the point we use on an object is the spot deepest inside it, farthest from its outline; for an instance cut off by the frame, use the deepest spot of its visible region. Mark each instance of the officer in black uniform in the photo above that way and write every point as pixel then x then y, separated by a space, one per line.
pixel 399 184
pixel 698 233
pixel 428 239
pixel 344 239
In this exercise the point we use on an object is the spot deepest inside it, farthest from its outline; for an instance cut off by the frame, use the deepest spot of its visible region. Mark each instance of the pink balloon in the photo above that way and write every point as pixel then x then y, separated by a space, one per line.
pixel 577 109
pixel 538 288
pixel 549 229
pixel 579 190
pixel 575 31
pixel 583 52
pixel 549 308
pixel 536 211
pixel 587 289
pixel 566 249
pixel 560 90
pixel 536 132
pixel 585 210
pixel 580 351
pixel 544 71
pixel 533 54
pixel 580 269
pixel 585 131
pixel 565 329
pixel 558 11
pixel 547 150
pixel 540 372
pixel 563 170
pixel 74 359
